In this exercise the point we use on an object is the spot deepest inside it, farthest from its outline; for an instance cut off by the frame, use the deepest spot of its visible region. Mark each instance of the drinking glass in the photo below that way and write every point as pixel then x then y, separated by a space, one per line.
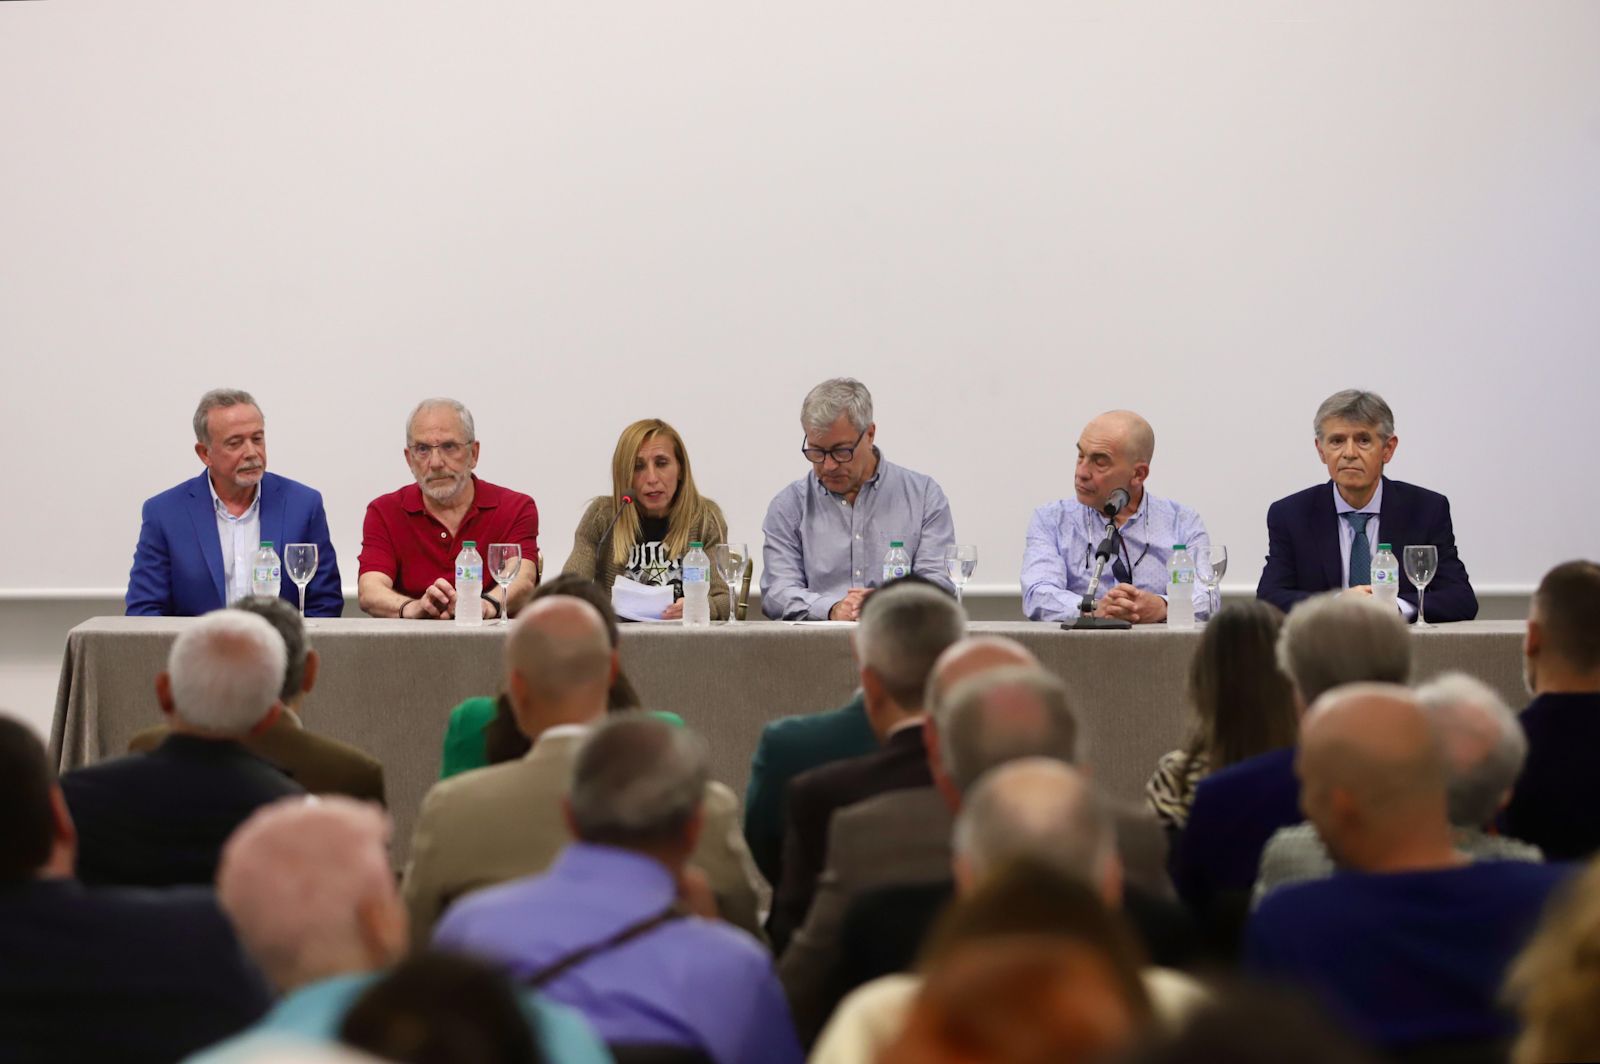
pixel 1210 564
pixel 505 559
pixel 300 562
pixel 729 558
pixel 960 561
pixel 1422 561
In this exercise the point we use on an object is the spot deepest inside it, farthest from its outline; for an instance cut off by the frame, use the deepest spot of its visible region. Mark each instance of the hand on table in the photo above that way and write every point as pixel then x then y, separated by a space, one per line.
pixel 849 607
pixel 438 602
pixel 1128 603
pixel 673 612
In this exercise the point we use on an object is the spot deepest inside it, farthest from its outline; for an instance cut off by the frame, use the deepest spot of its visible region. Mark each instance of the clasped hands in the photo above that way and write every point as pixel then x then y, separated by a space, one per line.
pixel 1128 603
pixel 438 602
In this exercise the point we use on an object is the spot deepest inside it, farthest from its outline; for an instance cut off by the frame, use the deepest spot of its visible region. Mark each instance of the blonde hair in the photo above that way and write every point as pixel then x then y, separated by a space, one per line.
pixel 1555 983
pixel 688 512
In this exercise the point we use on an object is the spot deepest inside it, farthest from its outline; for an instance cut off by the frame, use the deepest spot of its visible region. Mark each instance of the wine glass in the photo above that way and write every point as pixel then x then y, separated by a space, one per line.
pixel 505 559
pixel 729 558
pixel 960 561
pixel 300 562
pixel 1422 561
pixel 1210 564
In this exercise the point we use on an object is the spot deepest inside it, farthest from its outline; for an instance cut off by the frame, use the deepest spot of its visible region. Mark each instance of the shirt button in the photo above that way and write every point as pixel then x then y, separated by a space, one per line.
pixel 444 535
pixel 858 535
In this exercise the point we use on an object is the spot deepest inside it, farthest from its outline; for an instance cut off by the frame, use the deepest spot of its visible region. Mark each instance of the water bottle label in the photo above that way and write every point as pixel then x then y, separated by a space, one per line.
pixel 1183 576
pixel 693 574
pixel 1385 576
pixel 266 574
pixel 894 572
pixel 469 572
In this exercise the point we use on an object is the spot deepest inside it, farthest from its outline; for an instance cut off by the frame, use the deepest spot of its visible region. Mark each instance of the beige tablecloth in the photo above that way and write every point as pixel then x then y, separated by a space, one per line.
pixel 388 686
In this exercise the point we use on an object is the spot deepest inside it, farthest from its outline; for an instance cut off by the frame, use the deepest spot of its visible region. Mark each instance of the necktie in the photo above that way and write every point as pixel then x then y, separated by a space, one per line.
pixel 1360 552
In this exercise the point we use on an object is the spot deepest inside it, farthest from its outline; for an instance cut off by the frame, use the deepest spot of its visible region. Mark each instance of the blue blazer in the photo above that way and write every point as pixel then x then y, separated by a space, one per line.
pixel 177 566
pixel 1303 548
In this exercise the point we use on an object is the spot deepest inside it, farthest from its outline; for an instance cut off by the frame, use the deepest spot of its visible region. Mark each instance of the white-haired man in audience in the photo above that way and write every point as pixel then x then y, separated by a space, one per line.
pixel 308 887
pixel 1484 749
pixel 161 818
pixel 605 929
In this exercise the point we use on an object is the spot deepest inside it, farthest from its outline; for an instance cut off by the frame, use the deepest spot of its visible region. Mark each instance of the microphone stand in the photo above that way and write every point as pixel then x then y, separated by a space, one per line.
pixel 1087 621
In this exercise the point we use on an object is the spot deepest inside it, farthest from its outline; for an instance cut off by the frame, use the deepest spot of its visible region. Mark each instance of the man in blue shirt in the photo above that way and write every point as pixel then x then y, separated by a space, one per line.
pixel 608 929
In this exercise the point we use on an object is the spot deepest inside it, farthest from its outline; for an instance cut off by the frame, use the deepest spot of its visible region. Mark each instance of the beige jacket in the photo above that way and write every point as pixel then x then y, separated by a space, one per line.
pixel 592 526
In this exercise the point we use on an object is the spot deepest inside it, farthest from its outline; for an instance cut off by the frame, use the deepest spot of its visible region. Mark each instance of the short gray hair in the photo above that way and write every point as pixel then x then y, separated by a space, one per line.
pixel 1483 742
pixel 226 671
pixel 215 398
pixel 903 631
pixel 1001 715
pixel 1333 639
pixel 1359 407
pixel 841 395
pixel 637 781
pixel 285 620
pixel 439 402
pixel 1039 808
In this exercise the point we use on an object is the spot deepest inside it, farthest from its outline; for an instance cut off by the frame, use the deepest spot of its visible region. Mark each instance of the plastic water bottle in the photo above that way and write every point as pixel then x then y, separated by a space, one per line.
pixel 696 587
pixel 1180 588
pixel 469 586
pixel 897 562
pixel 1385 575
pixel 266 575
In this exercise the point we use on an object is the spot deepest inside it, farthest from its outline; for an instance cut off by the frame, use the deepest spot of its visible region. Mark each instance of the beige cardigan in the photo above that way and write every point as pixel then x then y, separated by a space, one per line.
pixel 592 525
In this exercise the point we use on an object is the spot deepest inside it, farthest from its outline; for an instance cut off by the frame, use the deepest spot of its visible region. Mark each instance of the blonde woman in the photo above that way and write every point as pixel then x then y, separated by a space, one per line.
pixel 1555 983
pixel 649 538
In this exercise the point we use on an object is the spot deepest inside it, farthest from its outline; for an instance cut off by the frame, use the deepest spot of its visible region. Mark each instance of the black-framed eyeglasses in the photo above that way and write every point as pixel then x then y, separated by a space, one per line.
pixel 841 455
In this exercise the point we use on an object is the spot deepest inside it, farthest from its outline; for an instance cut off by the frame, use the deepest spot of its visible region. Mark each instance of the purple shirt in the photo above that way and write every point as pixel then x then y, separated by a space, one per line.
pixel 688 982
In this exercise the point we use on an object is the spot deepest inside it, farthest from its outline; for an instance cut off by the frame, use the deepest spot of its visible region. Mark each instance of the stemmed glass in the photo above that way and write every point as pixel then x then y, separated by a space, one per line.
pixel 1210 564
pixel 960 561
pixel 729 558
pixel 1422 561
pixel 300 562
pixel 505 559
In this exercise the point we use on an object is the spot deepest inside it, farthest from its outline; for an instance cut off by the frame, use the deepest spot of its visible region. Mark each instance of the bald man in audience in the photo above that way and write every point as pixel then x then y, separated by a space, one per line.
pixel 1114 452
pixel 161 818
pixel 497 823
pixel 1410 945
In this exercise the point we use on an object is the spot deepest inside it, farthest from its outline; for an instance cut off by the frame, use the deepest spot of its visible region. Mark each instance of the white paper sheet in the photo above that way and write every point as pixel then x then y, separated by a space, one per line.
pixel 639 602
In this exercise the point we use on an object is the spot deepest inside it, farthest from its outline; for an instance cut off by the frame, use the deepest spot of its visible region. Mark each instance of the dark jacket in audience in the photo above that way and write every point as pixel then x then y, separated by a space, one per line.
pixel 1235 811
pixel 1556 803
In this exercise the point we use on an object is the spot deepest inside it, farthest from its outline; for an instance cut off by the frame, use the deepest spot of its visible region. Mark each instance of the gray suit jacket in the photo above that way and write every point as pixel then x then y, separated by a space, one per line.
pixel 498 823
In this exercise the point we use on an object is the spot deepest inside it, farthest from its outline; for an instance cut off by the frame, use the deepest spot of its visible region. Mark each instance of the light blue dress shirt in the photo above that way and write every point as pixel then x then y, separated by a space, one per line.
pixel 1059 557
pixel 687 982
pixel 818 546
pixel 1347 537
pixel 240 538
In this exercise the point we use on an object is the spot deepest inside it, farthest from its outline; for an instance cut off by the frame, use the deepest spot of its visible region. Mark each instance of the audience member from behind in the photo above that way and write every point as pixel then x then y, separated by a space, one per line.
pixel 1243 703
pixel 308 886
pixel 1256 1025
pixel 1555 983
pixel 319 764
pixel 505 821
pixel 1483 748
pixel 1328 641
pixel 437 1008
pixel 1555 801
pixel 161 818
pixel 607 929
pixel 1409 946
pixel 102 973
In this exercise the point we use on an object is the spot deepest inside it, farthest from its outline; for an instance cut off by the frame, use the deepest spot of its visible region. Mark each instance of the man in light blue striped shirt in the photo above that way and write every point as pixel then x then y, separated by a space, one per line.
pixel 1113 452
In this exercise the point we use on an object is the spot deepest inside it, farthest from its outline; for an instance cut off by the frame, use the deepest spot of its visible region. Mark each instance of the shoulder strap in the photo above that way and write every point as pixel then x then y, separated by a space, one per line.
pixel 551 972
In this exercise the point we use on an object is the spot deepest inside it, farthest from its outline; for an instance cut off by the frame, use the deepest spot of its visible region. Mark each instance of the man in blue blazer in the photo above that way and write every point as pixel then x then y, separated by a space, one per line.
pixel 1324 538
pixel 197 540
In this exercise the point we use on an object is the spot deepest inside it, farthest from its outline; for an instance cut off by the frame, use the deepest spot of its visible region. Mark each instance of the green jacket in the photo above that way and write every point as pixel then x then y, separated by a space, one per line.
pixel 463 736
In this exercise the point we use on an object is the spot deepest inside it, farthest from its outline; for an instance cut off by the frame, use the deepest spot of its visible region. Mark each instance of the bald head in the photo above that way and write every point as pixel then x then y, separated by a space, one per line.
pixel 1127 432
pixel 1036 808
pixel 1000 715
pixel 969 657
pixel 559 662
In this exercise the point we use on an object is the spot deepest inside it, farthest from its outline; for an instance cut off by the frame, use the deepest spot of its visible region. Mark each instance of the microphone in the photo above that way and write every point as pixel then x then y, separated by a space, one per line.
pixel 1115 502
pixel 599 548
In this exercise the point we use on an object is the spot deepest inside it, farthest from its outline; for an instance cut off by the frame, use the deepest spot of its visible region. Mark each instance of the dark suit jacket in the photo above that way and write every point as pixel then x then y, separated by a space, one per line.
pixel 1303 548
pixel 160 819
pixel 319 764
pixel 787 748
pixel 1556 803
pixel 815 796
pixel 177 566
pixel 116 974
pixel 1235 811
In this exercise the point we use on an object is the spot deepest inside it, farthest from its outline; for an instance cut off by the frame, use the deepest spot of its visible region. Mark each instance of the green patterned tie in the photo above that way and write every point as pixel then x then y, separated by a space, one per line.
pixel 1360 552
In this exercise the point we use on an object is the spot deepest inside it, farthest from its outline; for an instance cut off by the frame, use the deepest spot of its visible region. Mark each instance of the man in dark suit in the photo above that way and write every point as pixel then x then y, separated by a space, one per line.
pixel 319 764
pixel 1324 538
pixel 161 818
pixel 102 973
pixel 1556 803
pixel 904 629
pixel 197 540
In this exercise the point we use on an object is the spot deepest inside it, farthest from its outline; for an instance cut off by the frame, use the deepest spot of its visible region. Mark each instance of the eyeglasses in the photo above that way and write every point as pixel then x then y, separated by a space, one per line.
pixel 841 455
pixel 450 450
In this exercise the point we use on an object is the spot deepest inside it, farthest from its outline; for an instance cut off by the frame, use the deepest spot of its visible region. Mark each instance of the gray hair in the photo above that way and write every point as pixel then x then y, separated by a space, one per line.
pixel 1361 408
pixel 903 631
pixel 1039 808
pixel 1001 715
pixel 637 782
pixel 226 671
pixel 215 398
pixel 286 620
pixel 439 402
pixel 1484 745
pixel 1333 639
pixel 841 395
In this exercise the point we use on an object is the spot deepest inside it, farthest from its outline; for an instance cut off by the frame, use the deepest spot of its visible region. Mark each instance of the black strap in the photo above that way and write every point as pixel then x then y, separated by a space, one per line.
pixel 550 972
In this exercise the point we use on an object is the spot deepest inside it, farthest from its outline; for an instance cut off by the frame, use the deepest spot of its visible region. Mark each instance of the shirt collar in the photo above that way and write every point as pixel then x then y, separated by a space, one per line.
pixel 877 474
pixel 221 507
pixel 1374 504
pixel 613 866
pixel 1091 512
pixel 906 725
pixel 564 731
